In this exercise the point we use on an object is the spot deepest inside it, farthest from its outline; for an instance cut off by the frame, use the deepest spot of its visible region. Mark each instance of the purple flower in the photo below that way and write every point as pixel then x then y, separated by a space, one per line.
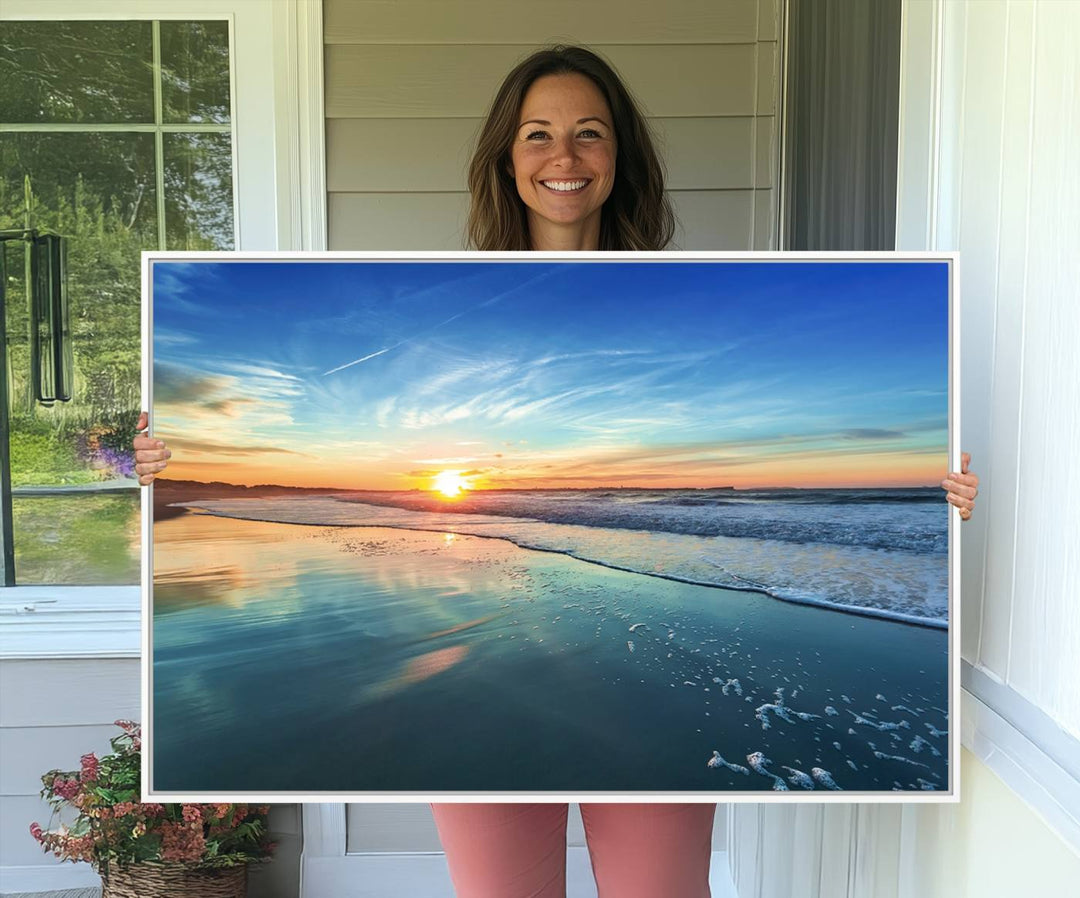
pixel 119 462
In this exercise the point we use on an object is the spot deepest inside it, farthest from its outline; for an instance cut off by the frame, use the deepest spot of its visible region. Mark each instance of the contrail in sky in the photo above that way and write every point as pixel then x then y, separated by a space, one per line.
pixel 402 342
pixel 364 359
pixel 486 302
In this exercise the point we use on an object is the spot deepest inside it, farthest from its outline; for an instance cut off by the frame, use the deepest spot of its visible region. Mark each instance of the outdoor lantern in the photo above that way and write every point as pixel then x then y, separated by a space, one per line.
pixel 51 357
pixel 51 360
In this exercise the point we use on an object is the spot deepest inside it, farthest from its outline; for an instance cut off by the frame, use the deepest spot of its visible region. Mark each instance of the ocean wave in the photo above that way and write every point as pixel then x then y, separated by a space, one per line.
pixel 912 520
pixel 897 585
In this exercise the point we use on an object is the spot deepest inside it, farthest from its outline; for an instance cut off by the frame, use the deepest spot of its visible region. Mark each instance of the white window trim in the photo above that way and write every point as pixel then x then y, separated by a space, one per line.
pixel 277 92
pixel 1032 755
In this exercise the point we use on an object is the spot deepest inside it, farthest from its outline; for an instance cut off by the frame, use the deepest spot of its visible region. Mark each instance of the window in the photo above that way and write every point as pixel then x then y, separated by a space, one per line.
pixel 118 136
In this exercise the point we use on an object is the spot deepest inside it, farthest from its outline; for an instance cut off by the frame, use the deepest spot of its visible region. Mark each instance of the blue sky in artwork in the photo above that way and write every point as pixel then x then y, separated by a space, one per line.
pixel 382 374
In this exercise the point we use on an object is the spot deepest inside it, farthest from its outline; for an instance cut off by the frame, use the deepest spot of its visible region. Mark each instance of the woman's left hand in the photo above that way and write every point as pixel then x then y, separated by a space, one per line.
pixel 961 489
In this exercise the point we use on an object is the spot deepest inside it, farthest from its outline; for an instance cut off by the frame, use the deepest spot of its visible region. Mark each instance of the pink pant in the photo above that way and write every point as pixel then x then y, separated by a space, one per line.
pixel 519 850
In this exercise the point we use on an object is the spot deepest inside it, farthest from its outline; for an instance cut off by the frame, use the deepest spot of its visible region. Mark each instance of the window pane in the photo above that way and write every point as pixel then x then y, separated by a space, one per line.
pixel 76 506
pixel 80 540
pixel 195 71
pixel 98 191
pixel 198 191
pixel 76 72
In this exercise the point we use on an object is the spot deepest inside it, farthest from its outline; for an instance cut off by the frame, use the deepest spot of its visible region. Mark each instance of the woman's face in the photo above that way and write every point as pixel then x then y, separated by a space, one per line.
pixel 563 154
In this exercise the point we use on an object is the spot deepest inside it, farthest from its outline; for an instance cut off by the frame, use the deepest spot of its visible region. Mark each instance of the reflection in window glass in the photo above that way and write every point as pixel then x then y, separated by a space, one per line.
pixel 198 192
pixel 76 505
pixel 78 540
pixel 98 190
pixel 195 71
pixel 57 72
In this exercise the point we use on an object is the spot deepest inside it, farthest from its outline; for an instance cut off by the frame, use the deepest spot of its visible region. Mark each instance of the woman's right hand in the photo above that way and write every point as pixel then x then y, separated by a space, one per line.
pixel 150 454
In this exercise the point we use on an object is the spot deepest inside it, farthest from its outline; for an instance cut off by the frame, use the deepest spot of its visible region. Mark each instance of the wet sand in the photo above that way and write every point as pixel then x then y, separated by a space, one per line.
pixel 343 659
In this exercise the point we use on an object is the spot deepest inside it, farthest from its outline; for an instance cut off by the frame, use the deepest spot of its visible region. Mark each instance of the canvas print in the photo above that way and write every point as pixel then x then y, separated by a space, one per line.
pixel 509 526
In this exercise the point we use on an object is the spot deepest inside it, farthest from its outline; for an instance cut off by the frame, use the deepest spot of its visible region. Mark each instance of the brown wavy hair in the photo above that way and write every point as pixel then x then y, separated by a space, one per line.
pixel 637 214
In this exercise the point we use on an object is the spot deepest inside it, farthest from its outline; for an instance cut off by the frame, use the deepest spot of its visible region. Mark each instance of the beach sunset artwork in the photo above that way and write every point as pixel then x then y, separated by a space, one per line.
pixel 513 526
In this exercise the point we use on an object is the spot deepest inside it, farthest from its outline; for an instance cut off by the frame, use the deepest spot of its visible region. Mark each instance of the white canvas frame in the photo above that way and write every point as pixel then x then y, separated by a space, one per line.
pixel 331 819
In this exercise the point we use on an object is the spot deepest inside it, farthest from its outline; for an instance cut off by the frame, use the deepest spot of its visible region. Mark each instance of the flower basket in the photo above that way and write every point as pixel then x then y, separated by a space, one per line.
pixel 152 880
pixel 149 850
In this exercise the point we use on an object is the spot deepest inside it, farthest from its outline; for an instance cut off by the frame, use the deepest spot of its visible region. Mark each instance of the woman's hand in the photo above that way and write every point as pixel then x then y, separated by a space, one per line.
pixel 961 489
pixel 150 454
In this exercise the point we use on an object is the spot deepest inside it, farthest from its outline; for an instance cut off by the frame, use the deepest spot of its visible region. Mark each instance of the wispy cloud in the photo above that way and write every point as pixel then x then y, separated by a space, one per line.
pixel 210 447
pixel 498 297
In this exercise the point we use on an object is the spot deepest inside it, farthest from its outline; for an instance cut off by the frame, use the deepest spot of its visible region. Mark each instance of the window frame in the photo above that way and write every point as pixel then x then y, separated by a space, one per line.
pixel 276 92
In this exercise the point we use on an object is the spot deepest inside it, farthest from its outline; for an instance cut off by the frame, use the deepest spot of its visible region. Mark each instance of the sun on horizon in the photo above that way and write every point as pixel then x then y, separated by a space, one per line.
pixel 451 484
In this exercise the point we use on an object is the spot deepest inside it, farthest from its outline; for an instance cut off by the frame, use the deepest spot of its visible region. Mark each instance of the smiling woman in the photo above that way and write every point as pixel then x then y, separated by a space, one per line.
pixel 562 117
pixel 563 160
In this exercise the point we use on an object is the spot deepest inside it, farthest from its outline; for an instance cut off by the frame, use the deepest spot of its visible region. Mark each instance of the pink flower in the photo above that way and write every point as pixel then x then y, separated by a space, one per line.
pixel 65 788
pixel 192 813
pixel 89 767
pixel 181 842
pixel 36 832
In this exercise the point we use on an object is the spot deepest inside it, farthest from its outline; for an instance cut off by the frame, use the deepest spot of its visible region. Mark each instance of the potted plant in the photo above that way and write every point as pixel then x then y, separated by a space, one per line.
pixel 149 850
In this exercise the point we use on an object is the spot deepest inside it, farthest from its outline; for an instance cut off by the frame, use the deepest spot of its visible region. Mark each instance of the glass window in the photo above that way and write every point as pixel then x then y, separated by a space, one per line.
pixel 64 72
pixel 117 136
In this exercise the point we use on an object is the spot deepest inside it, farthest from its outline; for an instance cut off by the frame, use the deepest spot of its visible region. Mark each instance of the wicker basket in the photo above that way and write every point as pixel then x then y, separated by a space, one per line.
pixel 148 880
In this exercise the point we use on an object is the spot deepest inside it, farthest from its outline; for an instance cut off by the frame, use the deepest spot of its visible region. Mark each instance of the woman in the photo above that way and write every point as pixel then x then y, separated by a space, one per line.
pixel 565 162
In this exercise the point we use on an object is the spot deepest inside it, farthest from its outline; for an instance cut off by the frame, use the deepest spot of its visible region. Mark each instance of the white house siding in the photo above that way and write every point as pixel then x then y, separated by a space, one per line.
pixel 53 711
pixel 408 83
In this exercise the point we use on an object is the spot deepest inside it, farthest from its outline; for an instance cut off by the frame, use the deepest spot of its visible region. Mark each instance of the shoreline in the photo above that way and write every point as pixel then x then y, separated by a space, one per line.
pixel 859 611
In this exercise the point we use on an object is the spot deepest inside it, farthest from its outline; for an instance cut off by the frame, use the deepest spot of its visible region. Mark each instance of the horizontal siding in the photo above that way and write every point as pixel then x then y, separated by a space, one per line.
pixel 374 81
pixel 68 693
pixel 766 220
pixel 768 25
pixel 432 154
pixel 51 713
pixel 767 82
pixel 713 219
pixel 707 153
pixel 523 22
pixel 17 846
pixel 408 83
pixel 391 827
pixel 380 154
pixel 765 152
pixel 28 752
pixel 397 221
pixel 707 219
